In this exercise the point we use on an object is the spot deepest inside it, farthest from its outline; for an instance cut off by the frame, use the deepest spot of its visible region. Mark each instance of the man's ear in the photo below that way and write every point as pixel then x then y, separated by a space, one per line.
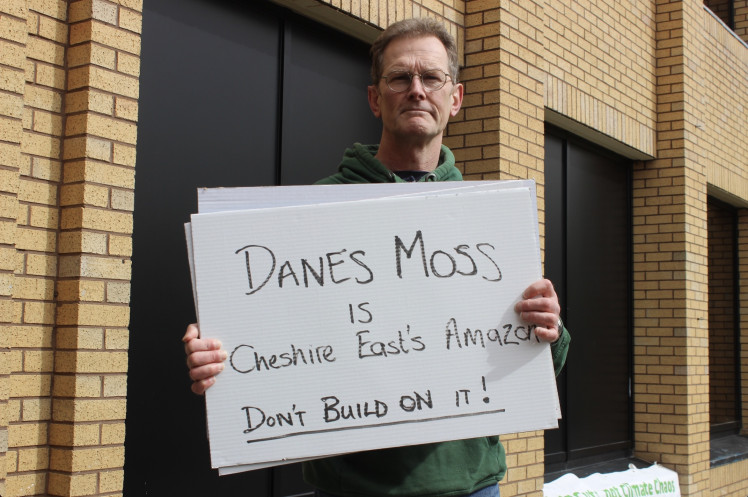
pixel 457 94
pixel 373 95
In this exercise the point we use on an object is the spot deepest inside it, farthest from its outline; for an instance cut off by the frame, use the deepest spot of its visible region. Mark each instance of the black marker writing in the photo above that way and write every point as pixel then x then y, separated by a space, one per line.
pixel 447 263
pixel 245 359
pixel 401 345
pixel 367 317
pixel 508 334
pixel 256 418
pixel 416 402
pixel 334 267
pixel 333 411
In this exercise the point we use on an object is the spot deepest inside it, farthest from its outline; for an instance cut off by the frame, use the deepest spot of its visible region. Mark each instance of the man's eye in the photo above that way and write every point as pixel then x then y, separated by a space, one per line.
pixel 399 77
pixel 432 77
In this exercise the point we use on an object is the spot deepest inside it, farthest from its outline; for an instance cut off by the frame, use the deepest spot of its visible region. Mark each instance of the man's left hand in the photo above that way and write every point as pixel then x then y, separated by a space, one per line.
pixel 539 306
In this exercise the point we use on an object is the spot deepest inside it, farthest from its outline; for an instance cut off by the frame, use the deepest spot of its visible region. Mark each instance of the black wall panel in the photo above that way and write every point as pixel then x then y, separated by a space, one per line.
pixel 588 251
pixel 325 77
pixel 211 93
pixel 555 268
pixel 597 301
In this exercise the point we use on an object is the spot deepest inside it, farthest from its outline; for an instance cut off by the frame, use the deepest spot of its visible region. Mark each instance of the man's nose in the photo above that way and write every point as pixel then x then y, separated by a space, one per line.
pixel 416 86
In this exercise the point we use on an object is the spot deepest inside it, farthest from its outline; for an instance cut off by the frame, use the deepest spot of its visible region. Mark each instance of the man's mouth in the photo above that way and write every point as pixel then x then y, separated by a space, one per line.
pixel 421 111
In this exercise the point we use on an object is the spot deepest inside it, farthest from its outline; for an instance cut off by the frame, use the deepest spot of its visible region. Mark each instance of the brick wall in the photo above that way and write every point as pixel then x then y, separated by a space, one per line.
pixel 12 62
pixel 741 19
pixel 498 134
pixel 601 67
pixel 96 200
pixel 68 112
pixel 661 79
pixel 719 70
pixel 719 128
pixel 729 480
pixel 671 342
pixel 35 240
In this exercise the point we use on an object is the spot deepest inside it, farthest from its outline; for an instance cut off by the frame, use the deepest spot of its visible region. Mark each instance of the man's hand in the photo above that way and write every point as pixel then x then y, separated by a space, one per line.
pixel 204 358
pixel 540 307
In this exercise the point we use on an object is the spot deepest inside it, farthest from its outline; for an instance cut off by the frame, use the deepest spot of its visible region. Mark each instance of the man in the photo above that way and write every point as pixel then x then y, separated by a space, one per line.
pixel 414 92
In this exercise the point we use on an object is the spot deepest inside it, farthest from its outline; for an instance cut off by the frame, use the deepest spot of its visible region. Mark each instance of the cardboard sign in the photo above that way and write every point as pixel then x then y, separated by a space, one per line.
pixel 359 325
pixel 652 481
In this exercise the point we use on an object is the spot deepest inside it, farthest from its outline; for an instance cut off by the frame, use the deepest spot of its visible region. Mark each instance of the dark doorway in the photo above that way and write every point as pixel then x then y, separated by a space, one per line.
pixel 232 94
pixel 724 322
pixel 588 252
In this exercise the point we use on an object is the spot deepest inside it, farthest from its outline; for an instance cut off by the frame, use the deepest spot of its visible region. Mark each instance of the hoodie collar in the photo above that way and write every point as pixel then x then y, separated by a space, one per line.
pixel 360 165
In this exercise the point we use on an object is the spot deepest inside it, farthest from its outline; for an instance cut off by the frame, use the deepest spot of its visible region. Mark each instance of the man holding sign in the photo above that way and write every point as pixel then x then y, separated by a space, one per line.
pixel 414 92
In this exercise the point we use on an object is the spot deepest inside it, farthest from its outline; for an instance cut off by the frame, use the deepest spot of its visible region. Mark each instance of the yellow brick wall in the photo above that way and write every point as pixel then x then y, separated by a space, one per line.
pixel 719 129
pixel 741 19
pixel 663 79
pixel 601 67
pixel 729 480
pixel 36 238
pixel 13 43
pixel 94 268
pixel 68 111
pixel 384 13
pixel 498 134
pixel 671 341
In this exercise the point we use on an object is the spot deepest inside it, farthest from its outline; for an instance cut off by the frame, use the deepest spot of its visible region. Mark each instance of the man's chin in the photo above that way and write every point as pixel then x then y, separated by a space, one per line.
pixel 418 125
pixel 421 134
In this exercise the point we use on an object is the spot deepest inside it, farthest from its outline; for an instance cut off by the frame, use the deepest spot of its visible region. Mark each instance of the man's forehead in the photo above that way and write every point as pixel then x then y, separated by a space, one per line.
pixel 415 50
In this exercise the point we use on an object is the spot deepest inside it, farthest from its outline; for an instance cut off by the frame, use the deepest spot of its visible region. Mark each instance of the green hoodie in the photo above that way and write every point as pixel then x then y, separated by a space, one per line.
pixel 360 166
pixel 444 469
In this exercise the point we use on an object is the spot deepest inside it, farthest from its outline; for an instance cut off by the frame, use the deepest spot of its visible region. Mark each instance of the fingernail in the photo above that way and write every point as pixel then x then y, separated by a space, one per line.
pixel 224 355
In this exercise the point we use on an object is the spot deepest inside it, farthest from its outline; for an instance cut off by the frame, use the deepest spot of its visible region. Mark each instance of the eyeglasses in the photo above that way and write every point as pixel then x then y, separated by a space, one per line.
pixel 432 80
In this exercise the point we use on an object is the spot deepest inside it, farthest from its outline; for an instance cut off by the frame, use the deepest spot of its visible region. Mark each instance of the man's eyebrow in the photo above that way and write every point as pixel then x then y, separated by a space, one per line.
pixel 410 69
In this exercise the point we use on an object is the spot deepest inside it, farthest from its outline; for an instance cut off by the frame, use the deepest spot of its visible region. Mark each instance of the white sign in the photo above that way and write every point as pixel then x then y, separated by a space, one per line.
pixel 367 324
pixel 652 481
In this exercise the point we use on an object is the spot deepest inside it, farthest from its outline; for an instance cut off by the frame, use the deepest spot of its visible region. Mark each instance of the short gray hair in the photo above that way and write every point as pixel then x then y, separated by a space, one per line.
pixel 413 28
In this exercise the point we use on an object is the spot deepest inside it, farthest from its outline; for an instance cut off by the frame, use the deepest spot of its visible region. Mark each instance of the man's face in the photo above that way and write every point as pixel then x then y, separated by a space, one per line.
pixel 414 115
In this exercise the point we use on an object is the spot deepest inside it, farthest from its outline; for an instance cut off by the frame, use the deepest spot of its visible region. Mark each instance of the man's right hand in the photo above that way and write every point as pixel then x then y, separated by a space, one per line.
pixel 204 358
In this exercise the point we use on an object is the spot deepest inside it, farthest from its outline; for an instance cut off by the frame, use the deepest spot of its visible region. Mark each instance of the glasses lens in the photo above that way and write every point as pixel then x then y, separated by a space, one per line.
pixel 398 81
pixel 433 80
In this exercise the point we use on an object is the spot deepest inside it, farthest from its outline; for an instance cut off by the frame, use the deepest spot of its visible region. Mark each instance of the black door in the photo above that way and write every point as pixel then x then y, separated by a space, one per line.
pixel 232 94
pixel 587 257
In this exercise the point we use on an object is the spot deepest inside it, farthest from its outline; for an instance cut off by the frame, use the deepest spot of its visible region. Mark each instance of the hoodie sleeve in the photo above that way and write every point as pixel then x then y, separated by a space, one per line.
pixel 559 350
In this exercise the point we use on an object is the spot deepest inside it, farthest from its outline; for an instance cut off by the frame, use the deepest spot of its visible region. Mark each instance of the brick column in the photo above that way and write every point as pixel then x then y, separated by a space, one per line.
pixel 36 245
pixel 96 199
pixel 499 134
pixel 671 362
pixel 13 39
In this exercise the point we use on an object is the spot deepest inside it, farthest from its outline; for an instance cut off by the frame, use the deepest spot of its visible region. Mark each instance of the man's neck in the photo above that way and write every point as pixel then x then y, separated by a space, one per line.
pixel 409 157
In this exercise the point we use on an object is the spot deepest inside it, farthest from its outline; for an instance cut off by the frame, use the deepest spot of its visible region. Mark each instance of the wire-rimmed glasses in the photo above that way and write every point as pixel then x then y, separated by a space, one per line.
pixel 432 80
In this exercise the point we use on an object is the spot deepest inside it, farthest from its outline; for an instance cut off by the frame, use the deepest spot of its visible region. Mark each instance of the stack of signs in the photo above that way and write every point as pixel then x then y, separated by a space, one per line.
pixel 654 480
pixel 361 317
